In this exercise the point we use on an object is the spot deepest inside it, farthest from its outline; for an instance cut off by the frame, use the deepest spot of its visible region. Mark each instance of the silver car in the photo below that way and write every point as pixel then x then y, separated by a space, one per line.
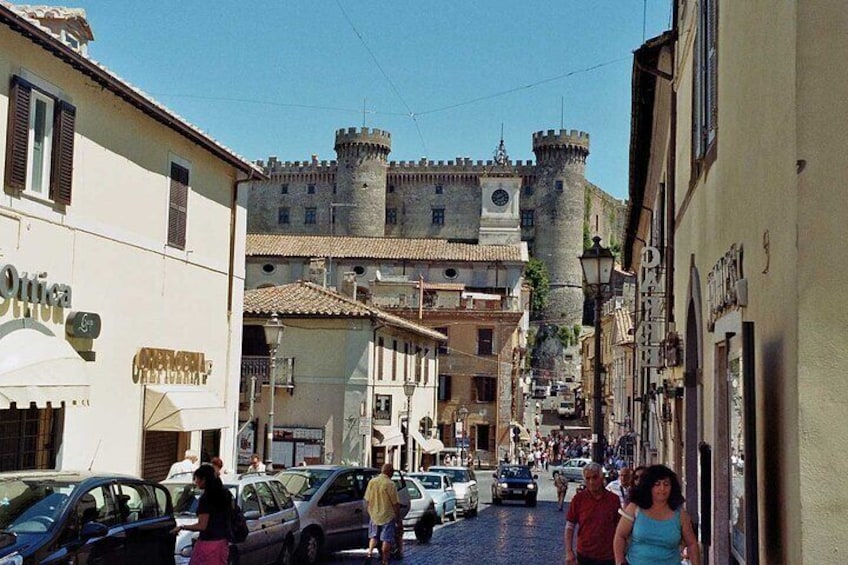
pixel 439 487
pixel 464 485
pixel 421 503
pixel 269 510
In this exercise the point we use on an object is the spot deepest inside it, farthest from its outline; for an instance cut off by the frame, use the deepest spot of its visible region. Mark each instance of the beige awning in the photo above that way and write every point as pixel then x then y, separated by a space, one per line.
pixel 427 445
pixel 387 436
pixel 524 433
pixel 40 368
pixel 183 409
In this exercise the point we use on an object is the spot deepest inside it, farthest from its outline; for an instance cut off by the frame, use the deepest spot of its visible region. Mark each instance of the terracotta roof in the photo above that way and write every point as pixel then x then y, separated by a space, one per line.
pixel 303 299
pixel 340 247
pixel 623 326
pixel 134 96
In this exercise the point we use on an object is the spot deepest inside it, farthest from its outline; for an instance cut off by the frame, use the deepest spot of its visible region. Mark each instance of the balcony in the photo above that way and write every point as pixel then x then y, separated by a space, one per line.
pixel 259 366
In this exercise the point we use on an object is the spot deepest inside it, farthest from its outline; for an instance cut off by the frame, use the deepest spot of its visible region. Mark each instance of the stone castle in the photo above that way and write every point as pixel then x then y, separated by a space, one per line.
pixel 549 204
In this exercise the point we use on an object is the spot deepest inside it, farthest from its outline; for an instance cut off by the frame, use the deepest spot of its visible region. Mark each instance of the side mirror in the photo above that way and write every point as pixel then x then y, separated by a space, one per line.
pixel 252 515
pixel 93 530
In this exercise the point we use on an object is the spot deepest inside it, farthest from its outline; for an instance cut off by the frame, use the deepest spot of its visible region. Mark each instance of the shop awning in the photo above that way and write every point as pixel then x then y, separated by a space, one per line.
pixel 427 445
pixel 387 436
pixel 183 409
pixel 40 368
pixel 523 433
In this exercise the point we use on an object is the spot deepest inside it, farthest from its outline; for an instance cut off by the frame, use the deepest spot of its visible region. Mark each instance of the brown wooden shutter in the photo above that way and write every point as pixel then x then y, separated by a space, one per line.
pixel 17 135
pixel 712 69
pixel 62 165
pixel 178 206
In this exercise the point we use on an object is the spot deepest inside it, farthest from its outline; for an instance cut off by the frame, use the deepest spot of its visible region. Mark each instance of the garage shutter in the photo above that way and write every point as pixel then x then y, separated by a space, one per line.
pixel 160 452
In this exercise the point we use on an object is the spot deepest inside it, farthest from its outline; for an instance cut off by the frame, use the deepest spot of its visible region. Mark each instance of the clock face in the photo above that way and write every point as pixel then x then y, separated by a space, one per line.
pixel 500 197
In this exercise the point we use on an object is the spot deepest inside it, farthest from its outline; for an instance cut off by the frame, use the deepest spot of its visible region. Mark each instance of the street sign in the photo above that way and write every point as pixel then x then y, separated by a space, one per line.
pixel 365 425
pixel 462 442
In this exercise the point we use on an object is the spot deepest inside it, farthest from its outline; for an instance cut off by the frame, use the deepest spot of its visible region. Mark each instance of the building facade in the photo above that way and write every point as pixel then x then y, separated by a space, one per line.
pixel 121 238
pixel 737 211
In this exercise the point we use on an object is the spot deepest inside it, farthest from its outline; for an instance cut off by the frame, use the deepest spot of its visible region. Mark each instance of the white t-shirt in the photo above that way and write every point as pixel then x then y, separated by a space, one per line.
pixel 180 467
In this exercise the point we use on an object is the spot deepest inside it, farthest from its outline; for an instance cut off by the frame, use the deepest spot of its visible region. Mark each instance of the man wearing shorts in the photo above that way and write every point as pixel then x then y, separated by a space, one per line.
pixel 384 511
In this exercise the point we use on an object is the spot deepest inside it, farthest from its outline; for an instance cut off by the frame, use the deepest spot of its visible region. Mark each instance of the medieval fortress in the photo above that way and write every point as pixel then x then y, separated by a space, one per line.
pixel 549 204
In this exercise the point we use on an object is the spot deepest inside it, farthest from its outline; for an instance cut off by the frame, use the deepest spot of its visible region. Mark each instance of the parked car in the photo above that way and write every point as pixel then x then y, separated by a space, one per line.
pixel 421 504
pixel 464 486
pixel 53 517
pixel 514 482
pixel 440 488
pixel 333 514
pixel 572 469
pixel 272 519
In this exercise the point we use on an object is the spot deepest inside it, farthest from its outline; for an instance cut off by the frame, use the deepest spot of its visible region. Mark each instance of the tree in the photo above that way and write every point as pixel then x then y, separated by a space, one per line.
pixel 537 275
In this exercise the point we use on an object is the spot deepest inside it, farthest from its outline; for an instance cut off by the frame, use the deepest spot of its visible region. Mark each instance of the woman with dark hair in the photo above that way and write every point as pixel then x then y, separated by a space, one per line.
pixel 654 524
pixel 213 519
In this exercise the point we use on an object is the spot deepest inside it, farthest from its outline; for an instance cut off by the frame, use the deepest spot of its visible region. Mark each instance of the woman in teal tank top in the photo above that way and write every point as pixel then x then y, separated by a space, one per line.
pixel 654 525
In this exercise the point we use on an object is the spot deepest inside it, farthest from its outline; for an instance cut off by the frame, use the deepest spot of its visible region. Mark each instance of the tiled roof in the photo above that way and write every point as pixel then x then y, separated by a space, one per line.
pixel 623 326
pixel 39 35
pixel 303 299
pixel 381 248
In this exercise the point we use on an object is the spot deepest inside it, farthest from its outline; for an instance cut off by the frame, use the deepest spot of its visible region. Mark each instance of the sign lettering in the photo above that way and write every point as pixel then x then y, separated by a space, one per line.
pixel 721 284
pixel 164 366
pixel 30 288
pixel 649 336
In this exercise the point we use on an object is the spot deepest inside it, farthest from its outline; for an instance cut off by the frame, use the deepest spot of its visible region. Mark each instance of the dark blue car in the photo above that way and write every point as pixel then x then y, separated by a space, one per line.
pixel 515 482
pixel 53 517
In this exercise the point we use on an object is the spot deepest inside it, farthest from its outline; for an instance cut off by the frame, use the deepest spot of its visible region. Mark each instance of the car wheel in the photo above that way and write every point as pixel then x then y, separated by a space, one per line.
pixel 310 547
pixel 287 554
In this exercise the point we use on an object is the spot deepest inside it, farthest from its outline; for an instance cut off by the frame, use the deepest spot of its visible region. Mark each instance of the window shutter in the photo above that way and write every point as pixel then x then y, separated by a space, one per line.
pixel 712 69
pixel 17 135
pixel 178 206
pixel 62 167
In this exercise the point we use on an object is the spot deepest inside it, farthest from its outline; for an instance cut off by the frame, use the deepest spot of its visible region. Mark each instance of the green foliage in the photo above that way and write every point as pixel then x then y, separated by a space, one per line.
pixel 569 336
pixel 537 275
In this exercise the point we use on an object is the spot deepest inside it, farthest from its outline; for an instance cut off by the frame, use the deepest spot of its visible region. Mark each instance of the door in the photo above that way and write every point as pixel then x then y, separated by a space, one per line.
pixel 342 509
pixel 95 508
pixel 147 523
pixel 271 523
pixel 251 550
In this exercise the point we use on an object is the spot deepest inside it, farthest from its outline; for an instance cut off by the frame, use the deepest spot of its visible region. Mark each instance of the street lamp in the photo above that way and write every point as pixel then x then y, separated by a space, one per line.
pixel 597 263
pixel 273 336
pixel 408 390
pixel 462 415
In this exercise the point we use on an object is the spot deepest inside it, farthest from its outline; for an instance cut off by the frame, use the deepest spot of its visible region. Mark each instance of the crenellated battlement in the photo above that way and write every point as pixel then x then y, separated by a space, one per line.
pixel 367 136
pixel 570 139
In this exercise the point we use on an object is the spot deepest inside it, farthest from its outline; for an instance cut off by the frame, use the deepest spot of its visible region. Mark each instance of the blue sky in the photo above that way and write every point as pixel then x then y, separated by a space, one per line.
pixel 278 78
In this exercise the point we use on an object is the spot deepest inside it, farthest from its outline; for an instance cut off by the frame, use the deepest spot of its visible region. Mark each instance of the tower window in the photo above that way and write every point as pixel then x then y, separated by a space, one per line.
pixel 391 188
pixel 391 216
pixel 438 216
pixel 310 189
pixel 283 216
pixel 284 189
pixel 309 216
pixel 529 190
pixel 440 189
pixel 558 186
pixel 528 218
pixel 335 187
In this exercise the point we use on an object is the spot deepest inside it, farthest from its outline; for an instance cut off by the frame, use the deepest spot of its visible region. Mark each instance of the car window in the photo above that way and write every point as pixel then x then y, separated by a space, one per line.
pixel 96 505
pixel 430 482
pixel 249 500
pixel 137 501
pixel 21 500
pixel 414 492
pixel 185 497
pixel 283 497
pixel 362 478
pixel 303 484
pixel 269 504
pixel 343 489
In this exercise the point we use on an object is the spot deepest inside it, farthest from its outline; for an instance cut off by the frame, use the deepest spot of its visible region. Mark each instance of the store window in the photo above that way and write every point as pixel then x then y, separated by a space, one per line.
pixel 30 437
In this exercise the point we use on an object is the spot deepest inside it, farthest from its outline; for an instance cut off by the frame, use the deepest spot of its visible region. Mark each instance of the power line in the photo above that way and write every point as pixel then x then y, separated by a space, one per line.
pixel 271 103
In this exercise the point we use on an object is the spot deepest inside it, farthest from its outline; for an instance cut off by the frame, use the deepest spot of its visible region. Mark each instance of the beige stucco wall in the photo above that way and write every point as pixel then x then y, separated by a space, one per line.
pixel 109 245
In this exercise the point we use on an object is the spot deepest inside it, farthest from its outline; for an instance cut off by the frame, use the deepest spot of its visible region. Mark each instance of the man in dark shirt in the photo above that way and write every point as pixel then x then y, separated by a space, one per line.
pixel 595 511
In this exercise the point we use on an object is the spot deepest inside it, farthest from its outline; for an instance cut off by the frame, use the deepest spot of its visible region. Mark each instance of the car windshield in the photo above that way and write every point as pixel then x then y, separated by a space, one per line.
pixel 32 506
pixel 514 473
pixel 456 475
pixel 430 482
pixel 186 497
pixel 304 483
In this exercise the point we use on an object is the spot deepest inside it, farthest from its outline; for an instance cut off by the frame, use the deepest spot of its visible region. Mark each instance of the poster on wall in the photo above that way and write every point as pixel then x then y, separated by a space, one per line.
pixel 246 444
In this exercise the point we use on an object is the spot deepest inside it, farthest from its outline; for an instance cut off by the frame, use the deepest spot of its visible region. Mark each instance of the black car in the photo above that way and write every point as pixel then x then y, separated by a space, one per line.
pixel 515 482
pixel 53 517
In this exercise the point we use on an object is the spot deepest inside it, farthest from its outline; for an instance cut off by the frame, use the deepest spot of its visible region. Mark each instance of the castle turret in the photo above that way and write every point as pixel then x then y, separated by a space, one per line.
pixel 361 181
pixel 560 208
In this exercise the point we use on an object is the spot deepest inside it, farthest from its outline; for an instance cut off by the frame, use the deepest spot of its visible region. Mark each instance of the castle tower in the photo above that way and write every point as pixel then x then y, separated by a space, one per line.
pixel 361 181
pixel 560 167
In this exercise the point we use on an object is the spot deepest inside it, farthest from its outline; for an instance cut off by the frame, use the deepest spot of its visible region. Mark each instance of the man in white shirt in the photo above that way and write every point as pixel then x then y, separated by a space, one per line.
pixel 256 465
pixel 622 485
pixel 187 465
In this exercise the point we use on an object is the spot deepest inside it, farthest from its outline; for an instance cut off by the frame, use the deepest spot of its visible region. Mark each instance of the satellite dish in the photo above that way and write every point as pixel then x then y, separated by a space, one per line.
pixel 377 275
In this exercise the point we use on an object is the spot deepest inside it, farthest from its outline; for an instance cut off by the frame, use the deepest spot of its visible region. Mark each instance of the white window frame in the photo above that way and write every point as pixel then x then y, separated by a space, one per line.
pixel 42 192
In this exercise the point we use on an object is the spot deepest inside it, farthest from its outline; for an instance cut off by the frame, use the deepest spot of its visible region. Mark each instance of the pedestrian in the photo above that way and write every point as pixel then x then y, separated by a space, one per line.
pixel 214 510
pixel 186 466
pixel 384 512
pixel 622 485
pixel 595 511
pixel 654 525
pixel 256 464
pixel 218 464
pixel 561 484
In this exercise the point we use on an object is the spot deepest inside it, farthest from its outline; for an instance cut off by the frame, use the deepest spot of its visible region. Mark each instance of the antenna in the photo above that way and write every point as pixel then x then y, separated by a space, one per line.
pixel 93 457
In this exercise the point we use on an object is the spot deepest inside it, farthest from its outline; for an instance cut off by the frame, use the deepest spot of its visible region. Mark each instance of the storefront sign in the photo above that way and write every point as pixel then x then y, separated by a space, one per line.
pixel 383 408
pixel 31 288
pixel 165 366
pixel 83 324
pixel 652 301
pixel 722 283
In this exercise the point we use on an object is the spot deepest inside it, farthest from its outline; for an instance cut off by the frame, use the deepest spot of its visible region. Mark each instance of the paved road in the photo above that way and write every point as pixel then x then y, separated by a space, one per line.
pixel 509 534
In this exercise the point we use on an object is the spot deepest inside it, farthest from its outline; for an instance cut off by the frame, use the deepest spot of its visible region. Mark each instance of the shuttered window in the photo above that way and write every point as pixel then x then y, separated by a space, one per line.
pixel 178 206
pixel 39 143
pixel 705 81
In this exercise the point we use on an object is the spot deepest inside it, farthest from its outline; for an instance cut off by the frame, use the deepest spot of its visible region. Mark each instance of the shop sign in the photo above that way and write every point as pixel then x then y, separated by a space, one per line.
pixel 383 408
pixel 722 285
pixel 83 324
pixel 652 300
pixel 167 367
pixel 31 288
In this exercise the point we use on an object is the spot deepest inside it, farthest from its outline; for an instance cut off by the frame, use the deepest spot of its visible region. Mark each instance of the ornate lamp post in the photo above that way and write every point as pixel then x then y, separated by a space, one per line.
pixel 408 390
pixel 462 416
pixel 597 263
pixel 273 336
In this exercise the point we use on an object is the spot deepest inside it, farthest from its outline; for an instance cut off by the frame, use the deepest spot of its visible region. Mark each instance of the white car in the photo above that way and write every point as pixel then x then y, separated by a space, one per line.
pixel 464 486
pixel 420 503
pixel 439 486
